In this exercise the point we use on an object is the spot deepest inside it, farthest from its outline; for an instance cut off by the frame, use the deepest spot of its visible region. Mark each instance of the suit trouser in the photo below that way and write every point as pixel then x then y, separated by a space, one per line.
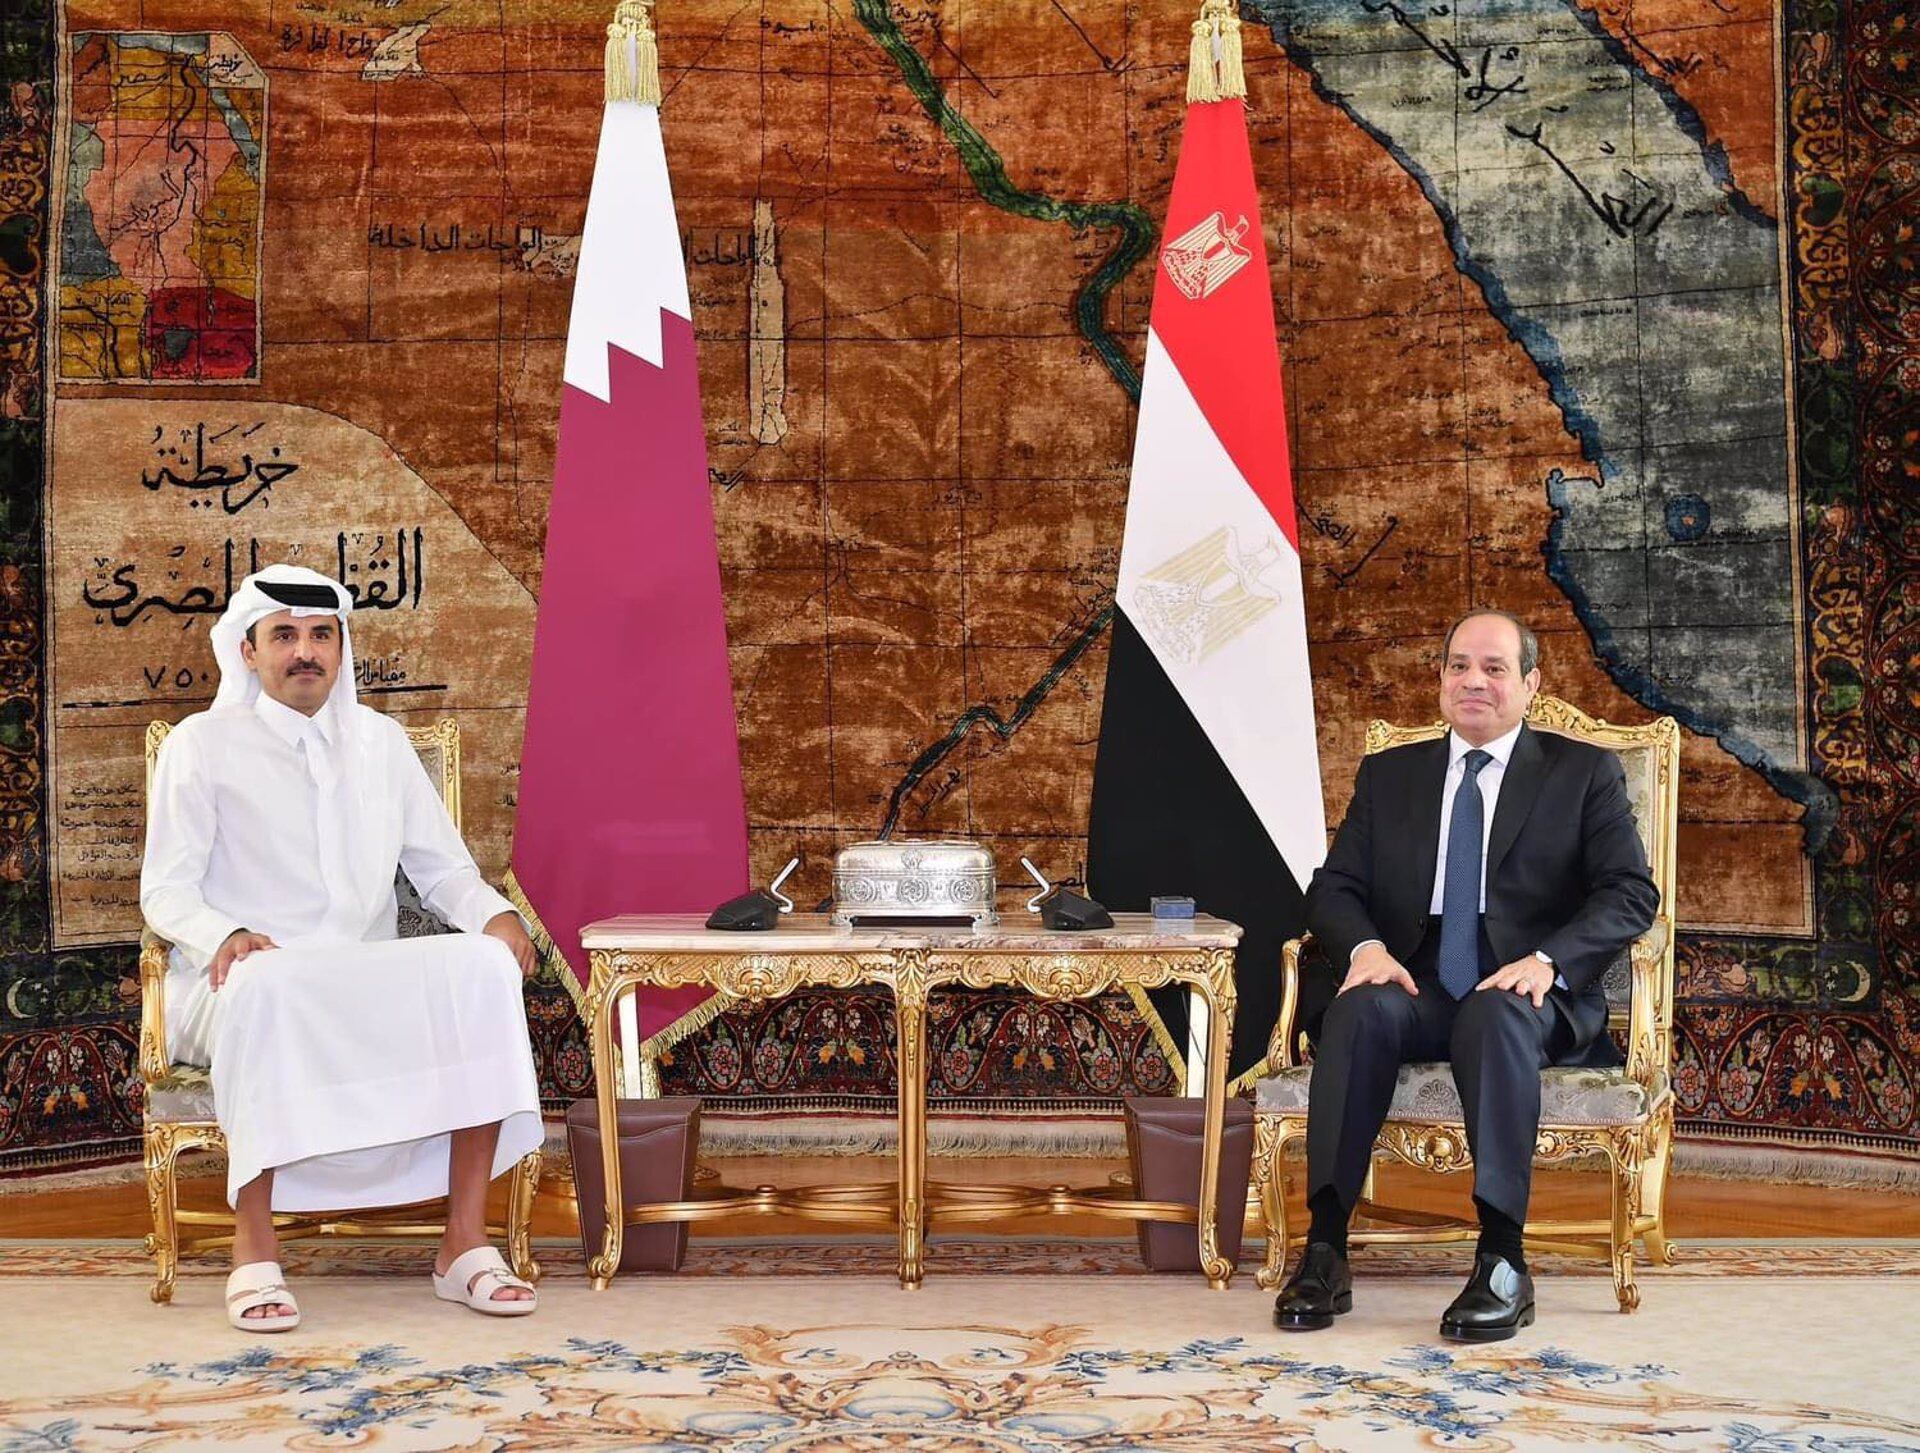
pixel 1498 1043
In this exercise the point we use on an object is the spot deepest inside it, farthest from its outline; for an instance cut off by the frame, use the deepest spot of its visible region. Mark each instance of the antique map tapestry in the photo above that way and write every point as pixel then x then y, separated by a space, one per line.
pixel 1603 311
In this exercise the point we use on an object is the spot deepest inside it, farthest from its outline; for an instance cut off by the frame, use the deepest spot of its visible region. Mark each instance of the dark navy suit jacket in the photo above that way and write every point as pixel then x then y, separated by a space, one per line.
pixel 1566 873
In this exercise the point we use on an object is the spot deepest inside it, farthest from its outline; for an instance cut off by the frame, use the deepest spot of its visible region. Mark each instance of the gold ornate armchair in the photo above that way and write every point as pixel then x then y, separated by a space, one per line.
pixel 1623 1115
pixel 179 1111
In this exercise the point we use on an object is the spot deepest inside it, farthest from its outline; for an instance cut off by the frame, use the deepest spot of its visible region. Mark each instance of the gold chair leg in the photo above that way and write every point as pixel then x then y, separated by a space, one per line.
pixel 1270 1186
pixel 1653 1190
pixel 1623 1162
pixel 521 1189
pixel 163 1242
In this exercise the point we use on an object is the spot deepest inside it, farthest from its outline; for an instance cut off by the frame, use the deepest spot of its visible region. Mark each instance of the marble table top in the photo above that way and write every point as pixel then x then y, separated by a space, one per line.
pixel 817 933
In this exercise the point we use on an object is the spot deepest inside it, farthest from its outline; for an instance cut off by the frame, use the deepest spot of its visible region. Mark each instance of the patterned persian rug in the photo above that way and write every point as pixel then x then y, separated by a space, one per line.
pixel 1011 1347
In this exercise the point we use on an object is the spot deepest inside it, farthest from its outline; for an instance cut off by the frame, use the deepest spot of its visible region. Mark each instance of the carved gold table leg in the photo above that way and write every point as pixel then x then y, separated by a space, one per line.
pixel 603 1266
pixel 1219 1034
pixel 910 1048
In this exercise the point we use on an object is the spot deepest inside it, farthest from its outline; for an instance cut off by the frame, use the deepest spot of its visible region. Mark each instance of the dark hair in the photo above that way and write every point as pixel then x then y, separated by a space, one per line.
pixel 1529 643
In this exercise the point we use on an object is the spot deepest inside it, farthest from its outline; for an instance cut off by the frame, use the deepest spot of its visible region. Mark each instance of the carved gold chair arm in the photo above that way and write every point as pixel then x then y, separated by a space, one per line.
pixel 1650 1015
pixel 1282 1051
pixel 154 1067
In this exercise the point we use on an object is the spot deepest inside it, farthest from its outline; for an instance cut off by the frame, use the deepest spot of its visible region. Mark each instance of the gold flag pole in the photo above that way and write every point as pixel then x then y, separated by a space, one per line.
pixel 633 57
pixel 1214 68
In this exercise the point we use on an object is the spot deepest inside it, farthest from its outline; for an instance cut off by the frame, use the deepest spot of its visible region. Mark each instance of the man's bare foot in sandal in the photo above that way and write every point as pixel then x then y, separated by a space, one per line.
pixel 479 1278
pixel 468 1269
pixel 258 1299
pixel 257 1296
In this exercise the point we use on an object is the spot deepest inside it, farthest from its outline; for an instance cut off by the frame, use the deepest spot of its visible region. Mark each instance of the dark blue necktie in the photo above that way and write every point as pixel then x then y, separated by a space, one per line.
pixel 1460 899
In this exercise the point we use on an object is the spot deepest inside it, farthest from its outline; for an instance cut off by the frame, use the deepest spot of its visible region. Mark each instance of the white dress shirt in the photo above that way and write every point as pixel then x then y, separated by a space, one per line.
pixel 1489 780
pixel 250 825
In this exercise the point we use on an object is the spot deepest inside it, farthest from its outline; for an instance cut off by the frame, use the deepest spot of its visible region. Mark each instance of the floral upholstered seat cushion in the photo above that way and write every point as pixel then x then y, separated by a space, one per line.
pixel 1426 1092
pixel 184 1098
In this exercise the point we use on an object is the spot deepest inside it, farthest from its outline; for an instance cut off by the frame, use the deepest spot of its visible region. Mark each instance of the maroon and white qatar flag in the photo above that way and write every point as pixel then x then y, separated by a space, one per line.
pixel 1207 780
pixel 630 797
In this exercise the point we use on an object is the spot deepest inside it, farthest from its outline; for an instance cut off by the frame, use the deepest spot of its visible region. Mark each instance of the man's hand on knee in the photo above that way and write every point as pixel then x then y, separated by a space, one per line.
pixel 236 947
pixel 508 929
pixel 1529 976
pixel 1374 965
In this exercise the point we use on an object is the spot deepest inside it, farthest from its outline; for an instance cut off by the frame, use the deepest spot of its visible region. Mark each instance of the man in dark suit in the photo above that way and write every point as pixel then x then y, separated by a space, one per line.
pixel 1475 894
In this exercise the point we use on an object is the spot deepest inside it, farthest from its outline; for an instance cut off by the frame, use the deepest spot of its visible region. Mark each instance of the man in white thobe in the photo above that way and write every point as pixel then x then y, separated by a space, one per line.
pixel 351 1068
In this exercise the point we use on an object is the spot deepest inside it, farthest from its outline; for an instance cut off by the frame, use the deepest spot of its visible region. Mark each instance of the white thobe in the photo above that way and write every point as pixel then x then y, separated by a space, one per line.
pixel 343 1058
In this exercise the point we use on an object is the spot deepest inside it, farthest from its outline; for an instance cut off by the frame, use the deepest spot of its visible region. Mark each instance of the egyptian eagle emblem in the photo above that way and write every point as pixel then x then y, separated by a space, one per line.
pixel 1207 595
pixel 1202 258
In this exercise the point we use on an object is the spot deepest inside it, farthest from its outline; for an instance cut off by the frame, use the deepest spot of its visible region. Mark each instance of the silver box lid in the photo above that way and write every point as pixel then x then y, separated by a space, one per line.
pixel 903 881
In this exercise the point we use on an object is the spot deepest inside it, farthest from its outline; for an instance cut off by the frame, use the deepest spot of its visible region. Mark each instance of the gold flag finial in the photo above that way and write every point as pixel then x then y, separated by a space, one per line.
pixel 1214 69
pixel 633 58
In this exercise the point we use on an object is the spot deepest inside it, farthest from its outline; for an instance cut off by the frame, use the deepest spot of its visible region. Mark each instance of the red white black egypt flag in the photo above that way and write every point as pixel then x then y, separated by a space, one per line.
pixel 1207 778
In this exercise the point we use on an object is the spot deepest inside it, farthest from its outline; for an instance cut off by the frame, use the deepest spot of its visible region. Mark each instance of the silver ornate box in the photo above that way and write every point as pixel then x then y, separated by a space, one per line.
pixel 913 881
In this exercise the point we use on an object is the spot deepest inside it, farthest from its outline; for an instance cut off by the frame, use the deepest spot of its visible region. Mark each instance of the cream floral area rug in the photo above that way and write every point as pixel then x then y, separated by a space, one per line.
pixel 1010 1347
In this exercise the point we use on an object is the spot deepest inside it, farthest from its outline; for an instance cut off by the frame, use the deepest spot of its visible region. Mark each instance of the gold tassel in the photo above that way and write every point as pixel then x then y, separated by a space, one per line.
pixel 1201 83
pixel 633 56
pixel 619 65
pixel 550 956
pixel 1215 71
pixel 646 67
pixel 1233 75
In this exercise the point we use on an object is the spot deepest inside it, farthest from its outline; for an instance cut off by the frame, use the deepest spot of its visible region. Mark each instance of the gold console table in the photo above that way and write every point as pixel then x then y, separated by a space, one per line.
pixel 809 951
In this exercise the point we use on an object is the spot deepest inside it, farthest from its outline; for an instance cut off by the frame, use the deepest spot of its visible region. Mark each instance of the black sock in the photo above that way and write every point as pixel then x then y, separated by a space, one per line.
pixel 1329 1219
pixel 1501 1235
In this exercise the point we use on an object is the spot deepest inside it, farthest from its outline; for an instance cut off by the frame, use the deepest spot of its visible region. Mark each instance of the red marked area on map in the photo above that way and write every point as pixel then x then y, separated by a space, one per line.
pixel 200 333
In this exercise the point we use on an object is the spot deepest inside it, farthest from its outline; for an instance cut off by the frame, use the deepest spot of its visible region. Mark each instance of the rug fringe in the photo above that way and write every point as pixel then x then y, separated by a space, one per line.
pixel 722 1136
pixel 1734 1161
pixel 1080 1137
pixel 196 1166
pixel 115 1173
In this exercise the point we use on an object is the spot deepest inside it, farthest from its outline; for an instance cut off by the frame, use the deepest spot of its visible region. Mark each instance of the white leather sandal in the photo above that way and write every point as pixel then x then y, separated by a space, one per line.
pixel 260 1284
pixel 473 1279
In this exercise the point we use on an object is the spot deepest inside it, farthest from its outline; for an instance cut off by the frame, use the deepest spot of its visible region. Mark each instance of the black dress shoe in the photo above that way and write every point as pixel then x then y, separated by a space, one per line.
pixel 1496 1302
pixel 1320 1290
